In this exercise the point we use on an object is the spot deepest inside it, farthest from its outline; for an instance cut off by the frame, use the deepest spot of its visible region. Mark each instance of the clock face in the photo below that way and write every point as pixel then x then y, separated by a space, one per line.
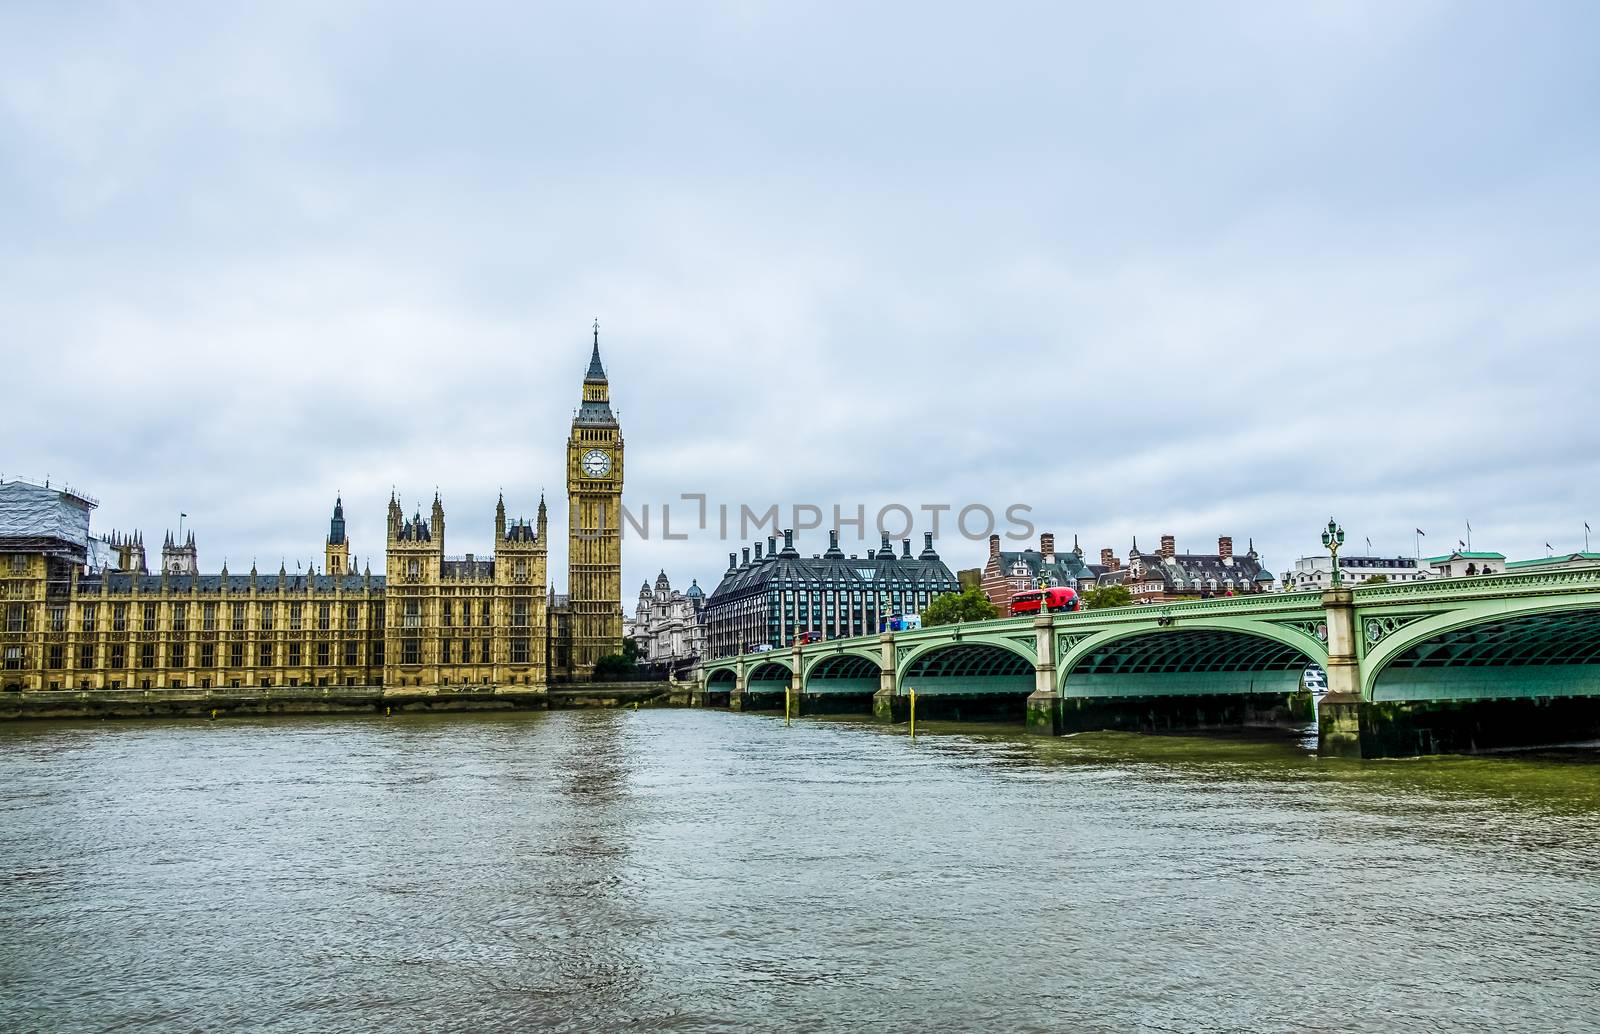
pixel 596 463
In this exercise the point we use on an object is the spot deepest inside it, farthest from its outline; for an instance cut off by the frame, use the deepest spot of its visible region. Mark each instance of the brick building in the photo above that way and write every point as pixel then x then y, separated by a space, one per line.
pixel 1007 573
pixel 1169 575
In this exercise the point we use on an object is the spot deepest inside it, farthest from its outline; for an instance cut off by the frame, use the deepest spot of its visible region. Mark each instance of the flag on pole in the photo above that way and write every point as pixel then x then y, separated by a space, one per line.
pixel 1369 545
pixel 1422 533
pixel 183 515
pixel 1463 545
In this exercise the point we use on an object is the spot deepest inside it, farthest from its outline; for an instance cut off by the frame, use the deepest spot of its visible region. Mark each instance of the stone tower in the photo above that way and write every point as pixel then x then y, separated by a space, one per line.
pixel 179 557
pixel 594 523
pixel 413 562
pixel 336 557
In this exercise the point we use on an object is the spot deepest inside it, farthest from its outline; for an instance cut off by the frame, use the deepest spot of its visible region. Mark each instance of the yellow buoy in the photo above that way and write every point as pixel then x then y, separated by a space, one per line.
pixel 913 714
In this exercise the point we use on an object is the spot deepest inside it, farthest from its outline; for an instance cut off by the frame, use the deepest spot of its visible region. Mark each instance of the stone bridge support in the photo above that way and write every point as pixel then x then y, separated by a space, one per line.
pixel 736 699
pixel 1340 710
pixel 886 703
pixel 1044 704
pixel 797 678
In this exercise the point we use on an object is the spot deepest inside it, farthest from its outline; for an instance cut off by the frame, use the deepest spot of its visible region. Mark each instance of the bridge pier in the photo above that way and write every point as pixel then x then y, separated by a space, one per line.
pixel 1177 713
pixel 886 703
pixel 1407 728
pixel 1043 715
pixel 1338 713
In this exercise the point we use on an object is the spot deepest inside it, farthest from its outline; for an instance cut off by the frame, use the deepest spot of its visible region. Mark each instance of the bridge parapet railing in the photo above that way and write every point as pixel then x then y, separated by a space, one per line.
pixel 1532 583
pixel 1309 601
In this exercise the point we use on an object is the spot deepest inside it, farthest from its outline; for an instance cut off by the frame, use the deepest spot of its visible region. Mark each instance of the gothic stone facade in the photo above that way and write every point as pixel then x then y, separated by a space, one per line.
pixel 82 612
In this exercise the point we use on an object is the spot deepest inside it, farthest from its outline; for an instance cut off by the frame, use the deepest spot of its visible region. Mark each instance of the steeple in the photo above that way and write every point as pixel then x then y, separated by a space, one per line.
pixel 336 553
pixel 336 525
pixel 596 408
pixel 597 372
pixel 500 518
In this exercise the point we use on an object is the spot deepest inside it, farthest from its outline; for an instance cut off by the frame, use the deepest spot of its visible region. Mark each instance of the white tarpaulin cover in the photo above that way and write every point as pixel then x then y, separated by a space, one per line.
pixel 28 511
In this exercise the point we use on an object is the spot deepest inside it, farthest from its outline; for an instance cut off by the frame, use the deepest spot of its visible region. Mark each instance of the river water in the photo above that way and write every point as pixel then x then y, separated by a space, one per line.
pixel 698 870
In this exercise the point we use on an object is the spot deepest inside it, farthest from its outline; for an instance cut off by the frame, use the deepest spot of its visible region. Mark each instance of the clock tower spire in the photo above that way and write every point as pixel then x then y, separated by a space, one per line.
pixel 594 524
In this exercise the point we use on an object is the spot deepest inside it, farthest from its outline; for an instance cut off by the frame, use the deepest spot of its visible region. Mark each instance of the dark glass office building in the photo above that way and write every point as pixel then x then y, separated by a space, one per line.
pixel 775 595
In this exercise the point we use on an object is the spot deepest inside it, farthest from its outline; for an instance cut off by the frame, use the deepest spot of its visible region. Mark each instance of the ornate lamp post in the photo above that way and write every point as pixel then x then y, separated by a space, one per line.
pixel 1332 539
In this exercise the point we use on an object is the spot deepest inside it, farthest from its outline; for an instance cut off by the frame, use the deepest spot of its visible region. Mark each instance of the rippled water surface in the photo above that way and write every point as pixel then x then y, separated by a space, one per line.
pixel 693 870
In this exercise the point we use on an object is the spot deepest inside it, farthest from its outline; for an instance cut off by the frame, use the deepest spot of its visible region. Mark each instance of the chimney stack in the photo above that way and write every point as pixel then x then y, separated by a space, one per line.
pixel 994 547
pixel 905 549
pixel 1225 546
pixel 1047 546
pixel 758 552
pixel 747 556
pixel 1169 547
pixel 772 546
pixel 788 539
pixel 927 546
pixel 1108 559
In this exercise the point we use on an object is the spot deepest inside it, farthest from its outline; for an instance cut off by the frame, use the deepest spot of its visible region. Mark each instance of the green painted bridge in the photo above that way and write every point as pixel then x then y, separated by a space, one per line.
pixel 1421 667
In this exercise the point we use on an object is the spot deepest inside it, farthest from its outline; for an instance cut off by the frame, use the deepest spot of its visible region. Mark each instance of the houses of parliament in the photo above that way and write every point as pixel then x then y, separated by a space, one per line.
pixel 85 612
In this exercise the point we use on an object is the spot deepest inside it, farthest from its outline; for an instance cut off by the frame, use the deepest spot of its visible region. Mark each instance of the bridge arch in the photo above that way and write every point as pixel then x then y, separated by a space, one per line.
pixel 722 674
pixel 770 670
pixel 848 664
pixel 1191 658
pixel 934 645
pixel 1538 647
pixel 968 667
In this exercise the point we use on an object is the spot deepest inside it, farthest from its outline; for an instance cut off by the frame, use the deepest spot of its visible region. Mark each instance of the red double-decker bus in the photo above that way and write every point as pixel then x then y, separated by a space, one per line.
pixel 1057 599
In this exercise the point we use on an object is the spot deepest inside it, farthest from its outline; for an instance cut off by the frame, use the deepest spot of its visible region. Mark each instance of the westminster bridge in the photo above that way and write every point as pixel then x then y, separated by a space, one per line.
pixel 1445 665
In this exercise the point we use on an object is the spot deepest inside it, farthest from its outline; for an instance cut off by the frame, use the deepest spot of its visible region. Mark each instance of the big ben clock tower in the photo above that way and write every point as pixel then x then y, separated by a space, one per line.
pixel 594 523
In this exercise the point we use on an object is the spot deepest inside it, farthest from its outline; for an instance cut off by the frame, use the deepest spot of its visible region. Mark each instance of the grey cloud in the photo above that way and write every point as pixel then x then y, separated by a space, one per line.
pixel 1210 271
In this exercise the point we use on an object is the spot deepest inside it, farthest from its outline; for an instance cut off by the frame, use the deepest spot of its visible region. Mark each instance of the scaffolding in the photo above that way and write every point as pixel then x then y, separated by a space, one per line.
pixel 36 518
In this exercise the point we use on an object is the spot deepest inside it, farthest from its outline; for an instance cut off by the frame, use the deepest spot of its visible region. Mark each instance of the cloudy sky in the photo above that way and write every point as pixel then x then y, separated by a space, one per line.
pixel 1144 268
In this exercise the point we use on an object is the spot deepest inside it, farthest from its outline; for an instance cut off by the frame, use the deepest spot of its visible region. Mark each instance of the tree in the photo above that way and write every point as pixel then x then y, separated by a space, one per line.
pixel 954 607
pixel 1102 597
pixel 1377 579
pixel 618 667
